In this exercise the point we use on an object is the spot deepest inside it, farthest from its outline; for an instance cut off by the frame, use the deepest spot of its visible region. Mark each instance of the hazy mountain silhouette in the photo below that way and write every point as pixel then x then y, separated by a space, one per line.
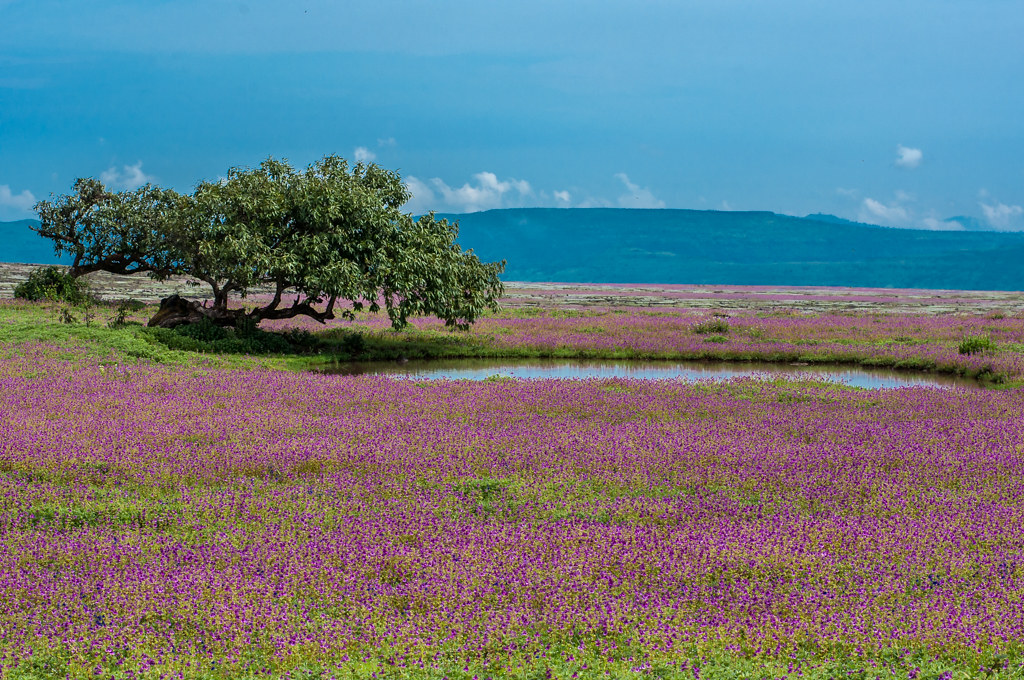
pixel 606 245
pixel 18 243
pixel 705 246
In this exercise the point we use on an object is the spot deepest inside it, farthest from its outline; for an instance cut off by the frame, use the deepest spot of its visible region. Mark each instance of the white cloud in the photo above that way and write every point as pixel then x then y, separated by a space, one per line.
pixel 486 192
pixel 637 196
pixel 935 224
pixel 1000 215
pixel 897 213
pixel 364 155
pixel 21 201
pixel 127 178
pixel 423 199
pixel 386 141
pixel 907 157
pixel 876 212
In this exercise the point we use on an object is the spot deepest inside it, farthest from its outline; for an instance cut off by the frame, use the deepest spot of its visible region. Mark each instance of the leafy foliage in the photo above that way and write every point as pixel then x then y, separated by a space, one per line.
pixel 976 344
pixel 124 308
pixel 330 233
pixel 123 232
pixel 52 283
pixel 352 344
pixel 717 326
pixel 207 337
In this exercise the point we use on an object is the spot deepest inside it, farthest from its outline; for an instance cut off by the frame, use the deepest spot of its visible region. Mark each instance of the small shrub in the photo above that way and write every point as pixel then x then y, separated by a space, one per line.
pixel 268 343
pixel 352 344
pixel 717 326
pixel 206 336
pixel 302 340
pixel 53 283
pixel 716 338
pixel 246 327
pixel 65 315
pixel 976 344
pixel 124 308
pixel 203 331
pixel 88 313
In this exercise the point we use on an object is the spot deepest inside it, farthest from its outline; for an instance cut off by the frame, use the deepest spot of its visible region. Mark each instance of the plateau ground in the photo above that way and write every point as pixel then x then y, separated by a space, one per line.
pixel 170 505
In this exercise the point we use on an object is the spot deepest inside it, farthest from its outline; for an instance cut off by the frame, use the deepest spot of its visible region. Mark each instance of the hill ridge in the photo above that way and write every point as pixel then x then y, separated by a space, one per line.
pixel 687 246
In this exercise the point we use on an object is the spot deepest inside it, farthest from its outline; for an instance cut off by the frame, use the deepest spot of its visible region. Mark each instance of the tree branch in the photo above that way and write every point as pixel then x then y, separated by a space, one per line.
pixel 303 308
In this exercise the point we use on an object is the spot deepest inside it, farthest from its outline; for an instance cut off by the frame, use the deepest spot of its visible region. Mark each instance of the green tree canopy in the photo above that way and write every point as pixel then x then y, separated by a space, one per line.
pixel 120 232
pixel 331 233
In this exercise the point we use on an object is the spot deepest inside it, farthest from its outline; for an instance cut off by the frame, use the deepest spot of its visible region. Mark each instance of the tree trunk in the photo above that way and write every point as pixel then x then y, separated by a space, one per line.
pixel 176 311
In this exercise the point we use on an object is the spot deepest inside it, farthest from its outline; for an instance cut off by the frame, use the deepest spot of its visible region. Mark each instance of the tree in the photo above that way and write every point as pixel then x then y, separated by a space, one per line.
pixel 331 233
pixel 114 232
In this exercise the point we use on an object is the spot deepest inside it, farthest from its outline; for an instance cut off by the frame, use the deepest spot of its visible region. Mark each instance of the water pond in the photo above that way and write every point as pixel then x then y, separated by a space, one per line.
pixel 691 371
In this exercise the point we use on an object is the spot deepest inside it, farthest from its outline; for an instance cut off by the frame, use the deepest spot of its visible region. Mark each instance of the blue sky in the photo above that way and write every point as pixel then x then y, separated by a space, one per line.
pixel 901 114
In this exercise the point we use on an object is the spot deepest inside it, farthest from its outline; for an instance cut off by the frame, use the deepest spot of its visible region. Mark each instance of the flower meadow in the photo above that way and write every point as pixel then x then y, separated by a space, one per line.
pixel 202 522
pixel 901 340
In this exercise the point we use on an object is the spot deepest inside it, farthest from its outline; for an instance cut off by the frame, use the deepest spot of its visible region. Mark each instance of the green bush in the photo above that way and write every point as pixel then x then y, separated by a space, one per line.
pixel 207 337
pixel 66 316
pixel 303 341
pixel 717 326
pixel 53 283
pixel 976 344
pixel 124 308
pixel 352 344
pixel 246 327
pixel 203 331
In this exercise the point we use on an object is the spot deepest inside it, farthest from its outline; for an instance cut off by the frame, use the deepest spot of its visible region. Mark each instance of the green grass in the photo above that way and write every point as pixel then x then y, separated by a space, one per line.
pixel 712 326
pixel 31 323
pixel 705 662
pixel 976 344
pixel 116 335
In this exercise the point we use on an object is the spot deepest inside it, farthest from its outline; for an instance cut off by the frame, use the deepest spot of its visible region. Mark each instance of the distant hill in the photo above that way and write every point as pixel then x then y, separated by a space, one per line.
pixel 968 223
pixel 607 245
pixel 832 219
pixel 18 243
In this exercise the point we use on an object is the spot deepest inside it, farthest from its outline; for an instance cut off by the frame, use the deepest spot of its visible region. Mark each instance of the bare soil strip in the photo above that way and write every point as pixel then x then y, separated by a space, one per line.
pixel 656 296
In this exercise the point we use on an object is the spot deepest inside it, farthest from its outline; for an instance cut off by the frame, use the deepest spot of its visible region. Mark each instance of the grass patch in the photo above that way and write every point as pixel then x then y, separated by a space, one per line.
pixel 118 336
pixel 976 344
pixel 712 326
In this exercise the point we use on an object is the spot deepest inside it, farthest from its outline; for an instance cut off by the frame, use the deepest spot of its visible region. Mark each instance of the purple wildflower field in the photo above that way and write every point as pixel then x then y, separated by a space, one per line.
pixel 893 339
pixel 187 522
pixel 901 340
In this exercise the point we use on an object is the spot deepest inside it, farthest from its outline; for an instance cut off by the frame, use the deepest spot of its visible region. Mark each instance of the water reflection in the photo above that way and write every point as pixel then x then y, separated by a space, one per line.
pixel 690 371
